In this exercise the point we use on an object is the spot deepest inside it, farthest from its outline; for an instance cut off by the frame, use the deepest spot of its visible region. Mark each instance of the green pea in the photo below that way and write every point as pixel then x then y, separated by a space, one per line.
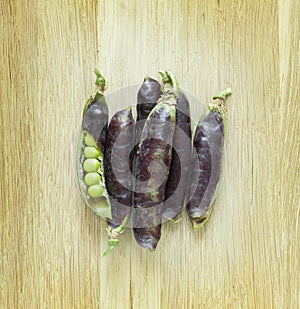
pixel 95 191
pixel 91 165
pixel 91 152
pixel 89 140
pixel 92 179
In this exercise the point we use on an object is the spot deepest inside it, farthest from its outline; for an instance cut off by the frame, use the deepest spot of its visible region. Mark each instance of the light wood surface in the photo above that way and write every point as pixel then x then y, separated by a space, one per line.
pixel 248 255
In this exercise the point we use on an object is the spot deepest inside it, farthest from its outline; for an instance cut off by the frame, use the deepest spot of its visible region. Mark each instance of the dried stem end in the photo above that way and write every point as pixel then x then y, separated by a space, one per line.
pixel 170 84
pixel 219 101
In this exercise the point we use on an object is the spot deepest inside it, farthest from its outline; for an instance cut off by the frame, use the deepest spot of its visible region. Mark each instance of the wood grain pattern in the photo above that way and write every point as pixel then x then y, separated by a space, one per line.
pixel 248 256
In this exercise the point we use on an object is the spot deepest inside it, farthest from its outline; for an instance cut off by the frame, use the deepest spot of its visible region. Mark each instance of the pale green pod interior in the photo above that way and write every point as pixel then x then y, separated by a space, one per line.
pixel 90 173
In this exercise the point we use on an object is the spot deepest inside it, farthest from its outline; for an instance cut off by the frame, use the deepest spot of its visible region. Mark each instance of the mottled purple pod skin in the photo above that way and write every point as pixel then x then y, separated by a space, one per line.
pixel 181 157
pixel 152 164
pixel 95 120
pixel 206 162
pixel 156 146
pixel 148 95
pixel 119 143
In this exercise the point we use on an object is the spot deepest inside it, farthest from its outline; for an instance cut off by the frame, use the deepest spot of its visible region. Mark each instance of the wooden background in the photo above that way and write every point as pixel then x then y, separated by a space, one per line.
pixel 248 255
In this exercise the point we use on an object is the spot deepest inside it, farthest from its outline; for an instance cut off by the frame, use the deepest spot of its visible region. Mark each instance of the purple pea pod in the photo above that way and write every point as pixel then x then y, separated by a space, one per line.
pixel 119 143
pixel 152 165
pixel 206 161
pixel 181 157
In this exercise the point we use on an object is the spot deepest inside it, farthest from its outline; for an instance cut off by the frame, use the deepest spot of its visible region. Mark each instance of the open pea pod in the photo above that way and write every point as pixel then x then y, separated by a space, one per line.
pixel 91 149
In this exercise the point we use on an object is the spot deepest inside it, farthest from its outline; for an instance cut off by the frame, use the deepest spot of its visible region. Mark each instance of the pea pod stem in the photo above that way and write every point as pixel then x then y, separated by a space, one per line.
pixel 101 87
pixel 173 81
pixel 169 81
pixel 100 80
pixel 223 94
pixel 112 244
pixel 219 101
pixel 113 233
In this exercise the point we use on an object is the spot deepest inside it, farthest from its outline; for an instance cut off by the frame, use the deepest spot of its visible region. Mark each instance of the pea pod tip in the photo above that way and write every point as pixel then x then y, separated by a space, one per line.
pixel 176 219
pixel 200 221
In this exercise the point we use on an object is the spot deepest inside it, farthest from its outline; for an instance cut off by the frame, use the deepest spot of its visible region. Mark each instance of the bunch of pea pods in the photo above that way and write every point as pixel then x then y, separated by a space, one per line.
pixel 147 170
